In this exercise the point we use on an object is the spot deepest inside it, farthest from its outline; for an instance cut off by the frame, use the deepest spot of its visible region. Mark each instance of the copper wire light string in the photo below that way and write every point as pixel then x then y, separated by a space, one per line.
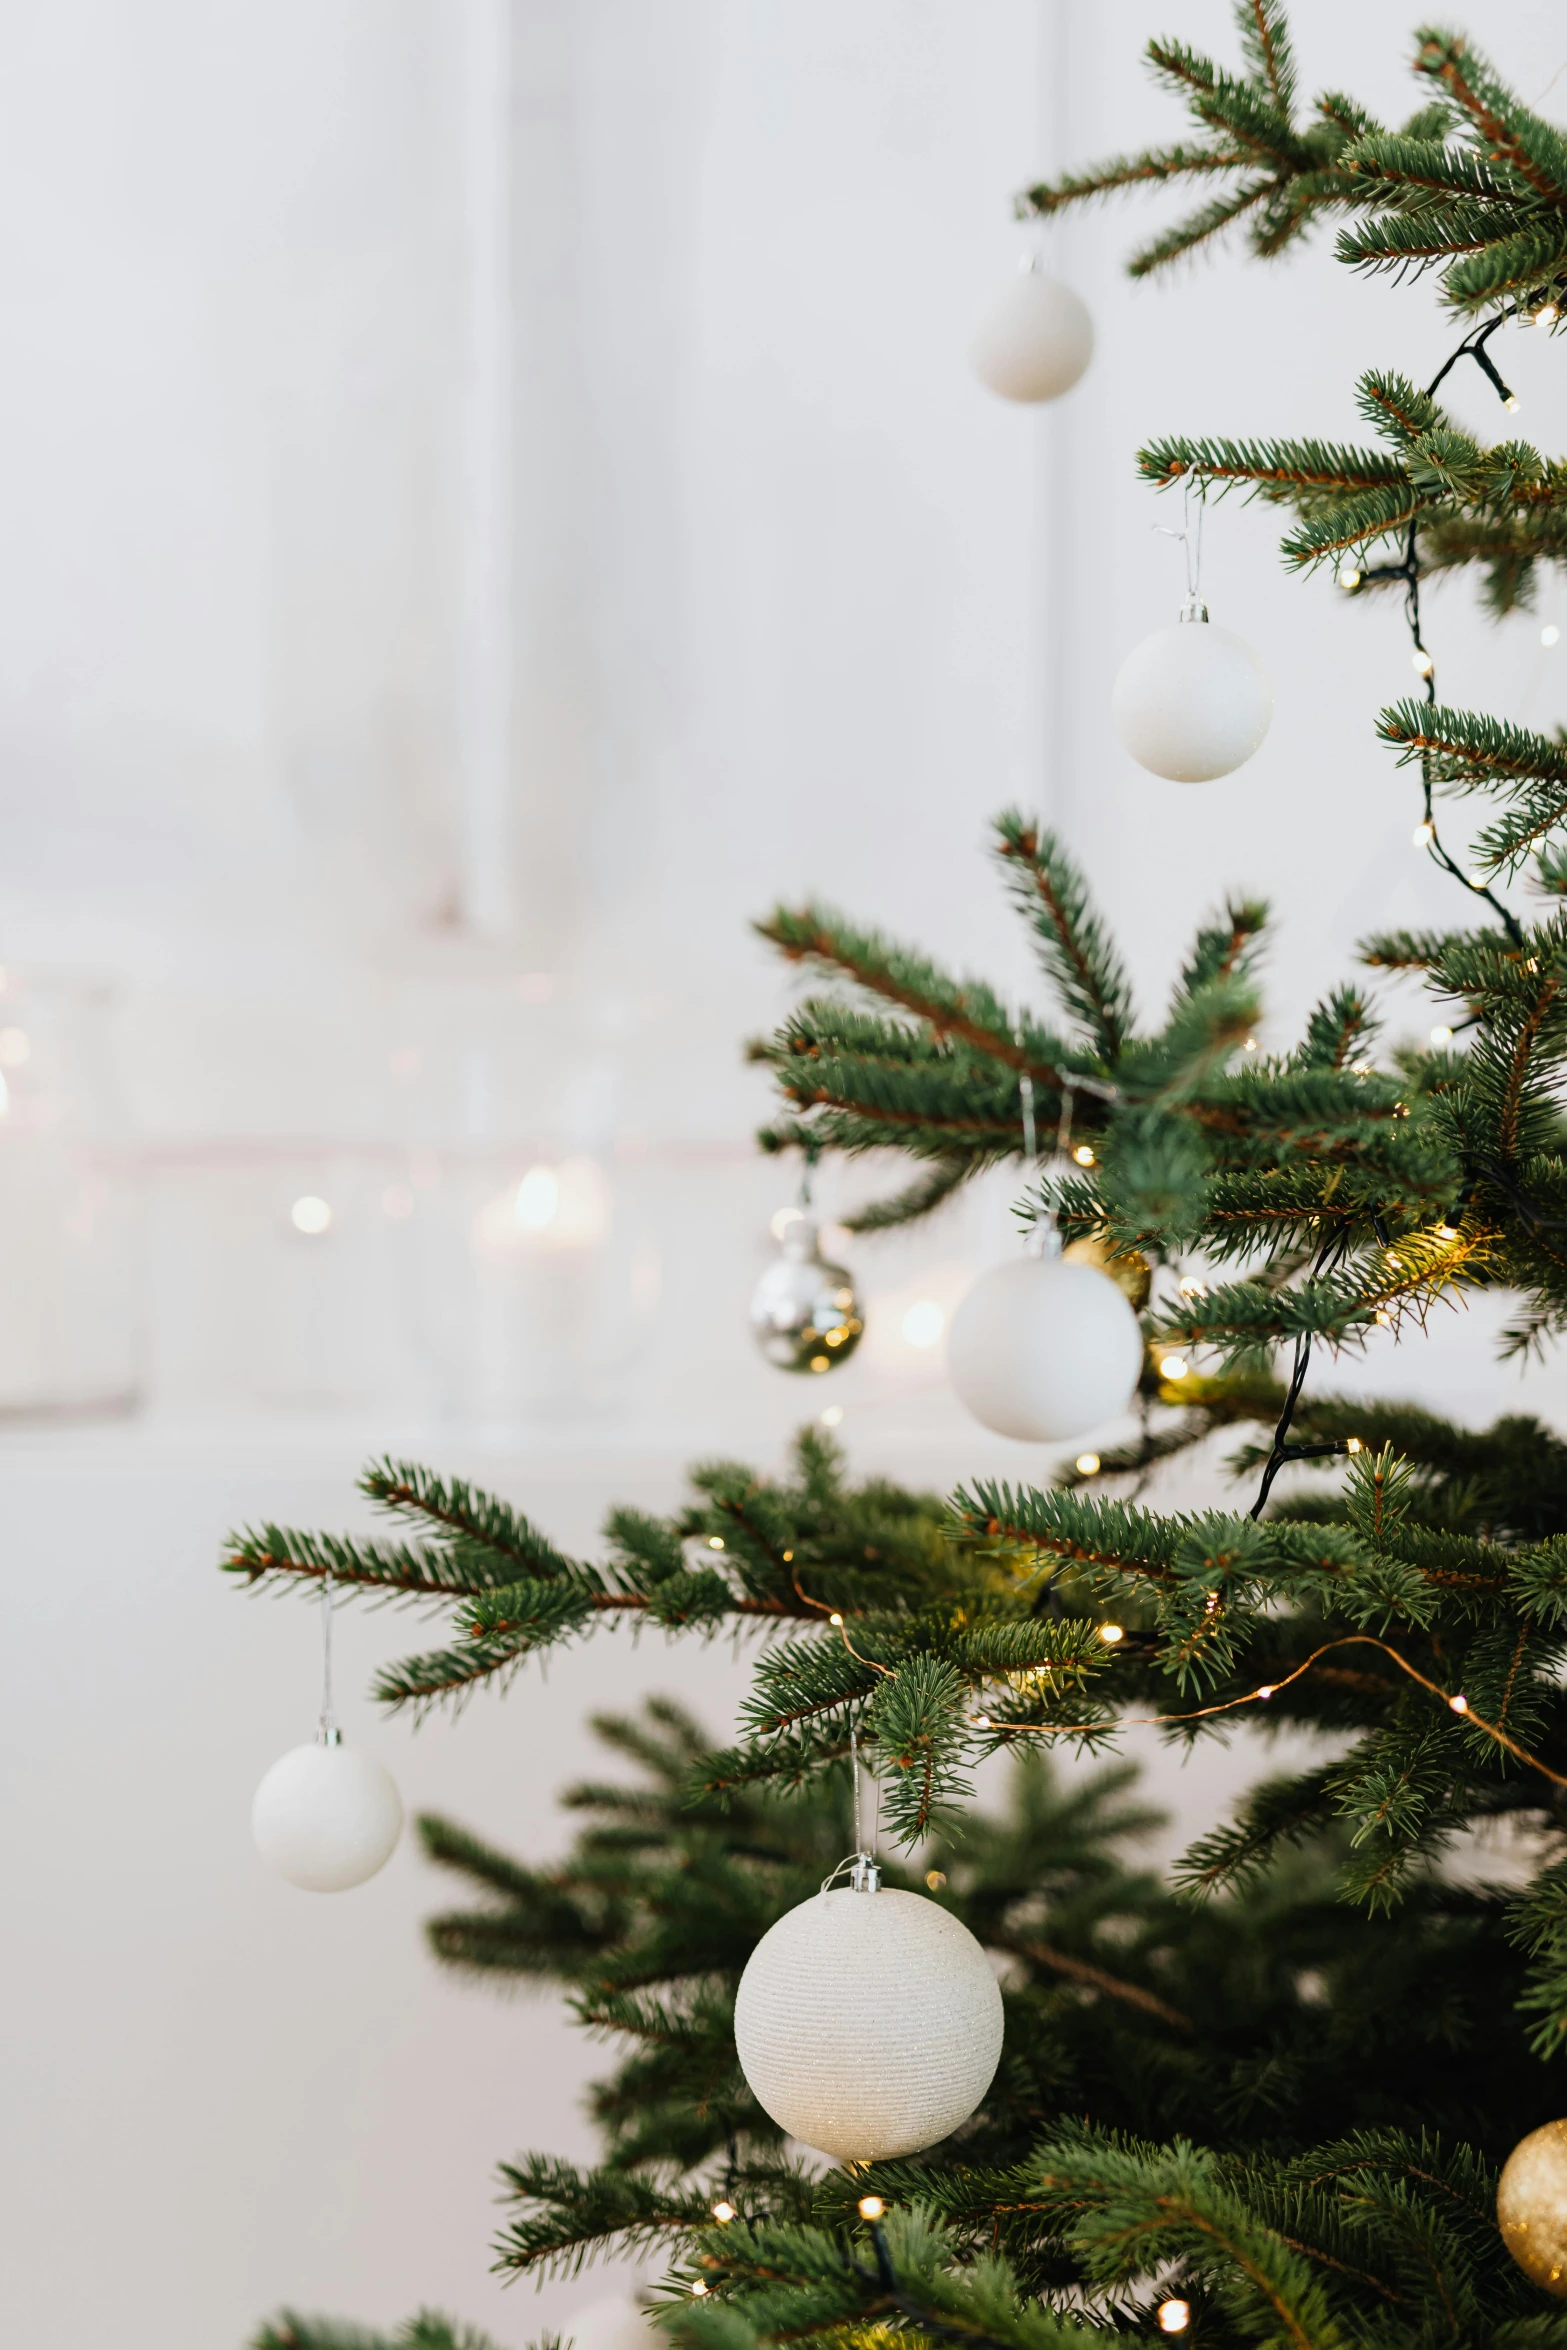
pixel 1456 1704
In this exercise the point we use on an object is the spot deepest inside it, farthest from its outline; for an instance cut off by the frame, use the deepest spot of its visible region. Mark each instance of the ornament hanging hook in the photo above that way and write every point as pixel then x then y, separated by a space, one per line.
pixel 809 1150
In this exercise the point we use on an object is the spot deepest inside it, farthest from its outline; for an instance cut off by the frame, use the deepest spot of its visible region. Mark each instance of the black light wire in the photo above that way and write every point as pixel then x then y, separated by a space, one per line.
pixel 1472 347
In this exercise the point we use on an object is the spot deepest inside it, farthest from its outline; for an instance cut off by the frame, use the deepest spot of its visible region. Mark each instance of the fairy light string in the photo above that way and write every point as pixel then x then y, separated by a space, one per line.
pixel 1455 1702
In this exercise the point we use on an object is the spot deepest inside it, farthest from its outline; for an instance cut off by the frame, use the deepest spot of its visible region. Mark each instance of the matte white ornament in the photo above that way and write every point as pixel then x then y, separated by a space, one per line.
pixel 326 1817
pixel 868 2024
pixel 1042 1350
pixel 1192 701
pixel 1036 342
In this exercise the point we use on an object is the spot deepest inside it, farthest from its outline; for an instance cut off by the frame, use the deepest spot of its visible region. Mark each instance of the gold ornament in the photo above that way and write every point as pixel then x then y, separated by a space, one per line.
pixel 1131 1272
pixel 1531 2206
pixel 805 1315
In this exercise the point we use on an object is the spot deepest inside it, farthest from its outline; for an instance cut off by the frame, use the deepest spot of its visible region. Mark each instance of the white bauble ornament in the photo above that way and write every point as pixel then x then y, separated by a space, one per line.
pixel 1531 2206
pixel 613 2322
pixel 326 1817
pixel 1036 342
pixel 868 2024
pixel 1042 1349
pixel 1193 701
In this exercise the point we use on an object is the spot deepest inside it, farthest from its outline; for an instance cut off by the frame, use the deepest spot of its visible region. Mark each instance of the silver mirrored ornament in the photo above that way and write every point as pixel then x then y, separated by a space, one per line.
pixel 805 1315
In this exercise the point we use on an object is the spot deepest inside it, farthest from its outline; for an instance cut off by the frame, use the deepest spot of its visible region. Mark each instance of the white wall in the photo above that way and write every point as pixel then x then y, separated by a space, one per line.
pixel 800 606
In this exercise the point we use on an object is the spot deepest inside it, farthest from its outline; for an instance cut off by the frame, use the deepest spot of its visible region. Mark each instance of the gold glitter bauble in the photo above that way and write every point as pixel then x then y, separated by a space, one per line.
pixel 1131 1273
pixel 1531 2206
pixel 805 1315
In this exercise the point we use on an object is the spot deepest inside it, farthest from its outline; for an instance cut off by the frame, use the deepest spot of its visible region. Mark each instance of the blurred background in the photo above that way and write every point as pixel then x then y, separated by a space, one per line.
pixel 495 498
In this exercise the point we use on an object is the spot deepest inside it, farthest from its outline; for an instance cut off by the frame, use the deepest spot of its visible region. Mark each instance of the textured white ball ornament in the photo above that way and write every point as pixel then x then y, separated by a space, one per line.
pixel 326 1817
pixel 1042 1349
pixel 1192 701
pixel 868 2024
pixel 1036 342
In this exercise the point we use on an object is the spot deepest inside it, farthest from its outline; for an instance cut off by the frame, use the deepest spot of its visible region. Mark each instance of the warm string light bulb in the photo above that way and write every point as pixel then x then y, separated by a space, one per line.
pixel 1421 662
pixel 1083 1155
pixel 871 2207
pixel 1354 1444
pixel 723 2213
pixel 1110 1634
pixel 1086 1464
pixel 1441 1033
pixel 1348 575
pixel 1424 834
pixel 1174 2316
pixel 1460 1705
pixel 1173 1367
pixel 1550 634
pixel 1512 403
pixel 1547 315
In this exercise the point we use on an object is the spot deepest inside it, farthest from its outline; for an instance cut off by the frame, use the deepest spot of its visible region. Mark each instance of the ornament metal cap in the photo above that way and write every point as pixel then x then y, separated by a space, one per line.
pixel 864 1876
pixel 1193 608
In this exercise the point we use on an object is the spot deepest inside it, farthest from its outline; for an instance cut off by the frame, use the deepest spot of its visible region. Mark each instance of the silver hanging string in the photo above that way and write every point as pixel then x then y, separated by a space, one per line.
pixel 1191 537
pixel 1025 1086
pixel 328 1733
pixel 863 1874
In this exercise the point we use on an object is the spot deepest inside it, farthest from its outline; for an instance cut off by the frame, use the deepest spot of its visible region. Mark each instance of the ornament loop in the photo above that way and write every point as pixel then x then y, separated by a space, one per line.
pixel 327 1732
pixel 1193 607
pixel 864 1874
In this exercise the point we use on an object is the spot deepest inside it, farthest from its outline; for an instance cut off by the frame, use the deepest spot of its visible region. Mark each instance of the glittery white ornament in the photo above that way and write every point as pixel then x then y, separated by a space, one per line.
pixel 326 1817
pixel 868 2024
pixel 1037 340
pixel 1192 701
pixel 1041 1349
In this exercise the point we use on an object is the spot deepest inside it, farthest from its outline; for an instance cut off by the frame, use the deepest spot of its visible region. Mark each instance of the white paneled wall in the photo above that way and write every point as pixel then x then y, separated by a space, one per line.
pixel 795 607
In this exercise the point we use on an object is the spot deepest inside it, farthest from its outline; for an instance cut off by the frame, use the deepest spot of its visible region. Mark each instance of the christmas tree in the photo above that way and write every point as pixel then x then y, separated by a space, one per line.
pixel 1267 2103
